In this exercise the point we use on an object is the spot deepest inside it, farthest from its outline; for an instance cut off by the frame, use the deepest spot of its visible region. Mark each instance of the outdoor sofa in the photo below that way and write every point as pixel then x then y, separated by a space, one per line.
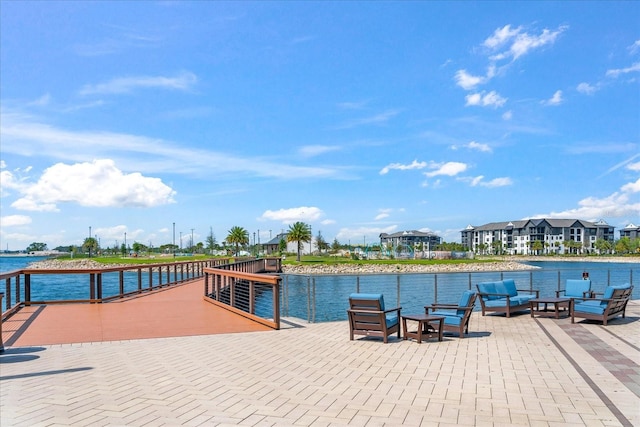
pixel 502 296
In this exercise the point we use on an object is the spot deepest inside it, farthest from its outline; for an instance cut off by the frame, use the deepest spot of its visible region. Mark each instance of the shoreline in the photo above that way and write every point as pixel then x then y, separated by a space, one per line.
pixel 508 263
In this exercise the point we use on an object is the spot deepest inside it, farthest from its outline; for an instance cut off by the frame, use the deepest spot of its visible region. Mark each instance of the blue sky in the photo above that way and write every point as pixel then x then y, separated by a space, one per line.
pixel 355 117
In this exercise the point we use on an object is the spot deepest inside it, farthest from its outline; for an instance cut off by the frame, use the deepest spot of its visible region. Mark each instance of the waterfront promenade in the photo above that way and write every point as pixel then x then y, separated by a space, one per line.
pixel 517 371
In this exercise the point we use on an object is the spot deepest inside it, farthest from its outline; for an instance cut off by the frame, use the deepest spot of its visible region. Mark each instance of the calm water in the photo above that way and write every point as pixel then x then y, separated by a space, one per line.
pixel 10 263
pixel 325 298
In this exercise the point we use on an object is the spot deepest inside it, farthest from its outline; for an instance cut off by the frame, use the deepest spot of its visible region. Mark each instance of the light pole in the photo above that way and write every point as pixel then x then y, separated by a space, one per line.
pixel 192 241
pixel 174 241
pixel 181 242
pixel 125 243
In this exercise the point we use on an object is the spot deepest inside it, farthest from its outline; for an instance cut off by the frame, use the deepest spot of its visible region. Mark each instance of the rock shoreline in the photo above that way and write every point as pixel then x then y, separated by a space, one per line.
pixel 404 268
pixel 508 264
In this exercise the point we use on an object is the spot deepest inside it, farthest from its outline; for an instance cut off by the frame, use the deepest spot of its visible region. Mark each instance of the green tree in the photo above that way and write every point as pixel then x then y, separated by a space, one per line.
pixel 496 245
pixel 211 241
pixel 537 247
pixel 138 247
pixel 335 246
pixel 282 246
pixel 300 233
pixel 623 245
pixel 321 244
pixel 238 236
pixel 37 247
pixel 603 246
pixel 90 244
pixel 482 247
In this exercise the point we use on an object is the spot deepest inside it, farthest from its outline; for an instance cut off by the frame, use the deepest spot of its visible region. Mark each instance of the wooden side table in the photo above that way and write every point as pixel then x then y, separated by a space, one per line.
pixel 534 305
pixel 426 326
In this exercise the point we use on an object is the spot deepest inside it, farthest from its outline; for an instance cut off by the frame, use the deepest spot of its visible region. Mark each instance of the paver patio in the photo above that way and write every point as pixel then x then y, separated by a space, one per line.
pixel 517 371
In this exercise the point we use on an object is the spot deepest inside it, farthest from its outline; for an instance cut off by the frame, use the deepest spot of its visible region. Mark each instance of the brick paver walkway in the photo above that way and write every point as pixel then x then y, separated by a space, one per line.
pixel 518 371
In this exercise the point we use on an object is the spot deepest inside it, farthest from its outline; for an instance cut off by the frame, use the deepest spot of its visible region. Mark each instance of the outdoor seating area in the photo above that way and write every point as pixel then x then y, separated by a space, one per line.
pixel 368 316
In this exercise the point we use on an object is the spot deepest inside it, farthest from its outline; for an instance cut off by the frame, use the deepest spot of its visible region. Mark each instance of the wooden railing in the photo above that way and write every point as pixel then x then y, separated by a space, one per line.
pixel 240 288
pixel 19 286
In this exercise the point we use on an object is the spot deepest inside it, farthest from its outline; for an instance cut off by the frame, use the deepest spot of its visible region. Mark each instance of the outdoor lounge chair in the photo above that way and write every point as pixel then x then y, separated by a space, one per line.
pixel 612 304
pixel 368 316
pixel 575 288
pixel 456 317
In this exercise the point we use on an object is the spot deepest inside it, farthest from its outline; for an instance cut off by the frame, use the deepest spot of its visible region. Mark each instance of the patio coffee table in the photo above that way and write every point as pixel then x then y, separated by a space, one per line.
pixel 534 305
pixel 425 327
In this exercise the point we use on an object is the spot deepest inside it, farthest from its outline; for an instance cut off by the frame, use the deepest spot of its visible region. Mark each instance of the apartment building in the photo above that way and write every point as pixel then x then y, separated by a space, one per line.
pixel 411 238
pixel 631 231
pixel 537 236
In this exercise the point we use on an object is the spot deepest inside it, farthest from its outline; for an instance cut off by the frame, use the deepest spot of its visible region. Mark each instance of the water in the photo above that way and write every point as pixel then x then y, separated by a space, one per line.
pixel 11 263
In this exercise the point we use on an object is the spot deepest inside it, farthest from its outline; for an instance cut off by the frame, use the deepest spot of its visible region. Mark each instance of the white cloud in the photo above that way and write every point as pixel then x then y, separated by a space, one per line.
pixel 497 182
pixel 376 119
pixel 478 146
pixel 383 213
pixel 291 215
pixel 616 205
pixel 316 150
pixel 501 36
pixel 23 136
pixel 121 85
pixel 632 187
pixel 467 81
pixel 97 184
pixel 42 101
pixel 508 115
pixel 474 146
pixel 616 72
pixel 635 47
pixel 491 99
pixel 518 42
pixel 14 220
pixel 556 99
pixel 358 235
pixel 399 166
pixel 586 88
pixel 448 169
pixel 634 167
pixel 479 181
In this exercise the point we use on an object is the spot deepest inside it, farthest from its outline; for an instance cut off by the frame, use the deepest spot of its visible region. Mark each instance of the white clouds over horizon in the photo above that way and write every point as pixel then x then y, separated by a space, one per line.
pixel 96 184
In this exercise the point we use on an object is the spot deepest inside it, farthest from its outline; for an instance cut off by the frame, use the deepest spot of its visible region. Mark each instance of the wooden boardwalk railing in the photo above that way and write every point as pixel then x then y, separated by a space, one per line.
pixel 241 288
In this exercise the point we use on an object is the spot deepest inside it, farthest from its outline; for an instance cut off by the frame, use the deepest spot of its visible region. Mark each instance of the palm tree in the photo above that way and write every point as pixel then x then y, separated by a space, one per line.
pixel 90 244
pixel 299 232
pixel 238 236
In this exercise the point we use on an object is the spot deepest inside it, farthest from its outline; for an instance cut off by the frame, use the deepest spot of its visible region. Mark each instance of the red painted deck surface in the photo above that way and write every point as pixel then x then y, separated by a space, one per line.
pixel 172 312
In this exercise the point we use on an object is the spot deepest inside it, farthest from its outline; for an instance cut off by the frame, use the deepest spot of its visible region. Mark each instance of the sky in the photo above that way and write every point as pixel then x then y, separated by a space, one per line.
pixel 358 118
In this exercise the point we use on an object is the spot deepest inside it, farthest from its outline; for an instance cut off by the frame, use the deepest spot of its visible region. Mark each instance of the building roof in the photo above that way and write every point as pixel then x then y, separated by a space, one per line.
pixel 553 222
